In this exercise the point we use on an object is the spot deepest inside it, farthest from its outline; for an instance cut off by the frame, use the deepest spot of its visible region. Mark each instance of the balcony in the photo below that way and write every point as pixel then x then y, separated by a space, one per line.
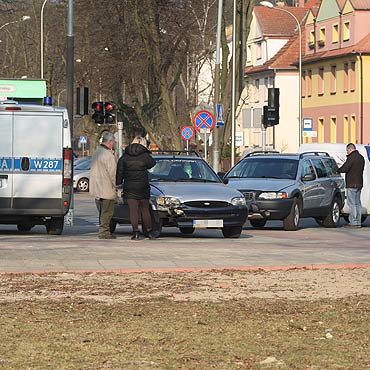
pixel 321 43
pixel 311 45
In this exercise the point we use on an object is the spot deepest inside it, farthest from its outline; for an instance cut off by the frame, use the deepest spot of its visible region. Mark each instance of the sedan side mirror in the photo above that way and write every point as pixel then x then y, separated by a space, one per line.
pixel 309 177
pixel 225 181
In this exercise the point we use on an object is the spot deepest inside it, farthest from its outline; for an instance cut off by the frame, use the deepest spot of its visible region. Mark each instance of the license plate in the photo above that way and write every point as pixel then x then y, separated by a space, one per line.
pixel 201 224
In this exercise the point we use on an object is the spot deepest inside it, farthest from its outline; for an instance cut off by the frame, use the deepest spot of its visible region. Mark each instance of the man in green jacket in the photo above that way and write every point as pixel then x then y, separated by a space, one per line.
pixel 103 183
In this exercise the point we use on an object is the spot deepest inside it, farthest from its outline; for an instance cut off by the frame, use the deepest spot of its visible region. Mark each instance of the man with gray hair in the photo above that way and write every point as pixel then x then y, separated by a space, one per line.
pixel 354 168
pixel 103 183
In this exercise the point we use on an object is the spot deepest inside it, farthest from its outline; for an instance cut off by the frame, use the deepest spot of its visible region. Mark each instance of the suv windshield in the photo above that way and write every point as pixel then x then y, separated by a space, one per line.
pixel 188 170
pixel 262 167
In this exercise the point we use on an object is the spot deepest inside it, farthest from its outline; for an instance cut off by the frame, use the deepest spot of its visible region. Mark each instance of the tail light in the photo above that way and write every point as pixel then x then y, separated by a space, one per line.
pixel 67 166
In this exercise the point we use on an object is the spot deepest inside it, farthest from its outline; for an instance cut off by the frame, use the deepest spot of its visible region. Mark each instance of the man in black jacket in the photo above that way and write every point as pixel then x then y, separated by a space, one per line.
pixel 354 169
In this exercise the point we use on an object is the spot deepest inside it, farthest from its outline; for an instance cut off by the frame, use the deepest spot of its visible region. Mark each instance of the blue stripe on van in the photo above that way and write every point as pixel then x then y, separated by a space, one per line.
pixel 368 151
pixel 40 164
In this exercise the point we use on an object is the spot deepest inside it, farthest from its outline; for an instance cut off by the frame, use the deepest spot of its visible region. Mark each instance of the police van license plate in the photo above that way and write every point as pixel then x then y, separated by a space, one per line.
pixel 202 224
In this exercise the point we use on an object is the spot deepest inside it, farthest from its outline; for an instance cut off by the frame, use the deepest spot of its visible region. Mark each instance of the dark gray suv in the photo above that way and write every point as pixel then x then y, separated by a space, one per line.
pixel 289 187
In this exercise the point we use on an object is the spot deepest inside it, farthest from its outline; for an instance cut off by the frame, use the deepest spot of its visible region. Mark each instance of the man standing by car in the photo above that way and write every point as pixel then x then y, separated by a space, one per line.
pixel 354 168
pixel 103 183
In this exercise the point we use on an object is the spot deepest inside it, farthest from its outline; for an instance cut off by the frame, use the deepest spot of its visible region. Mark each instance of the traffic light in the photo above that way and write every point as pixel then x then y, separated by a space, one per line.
pixel 271 111
pixel 109 113
pixel 98 115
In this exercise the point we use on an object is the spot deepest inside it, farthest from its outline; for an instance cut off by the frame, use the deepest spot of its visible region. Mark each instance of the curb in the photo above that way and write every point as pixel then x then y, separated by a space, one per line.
pixel 197 269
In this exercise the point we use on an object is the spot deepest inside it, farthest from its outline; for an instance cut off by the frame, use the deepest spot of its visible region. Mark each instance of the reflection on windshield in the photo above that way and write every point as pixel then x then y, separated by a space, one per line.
pixel 186 170
pixel 265 168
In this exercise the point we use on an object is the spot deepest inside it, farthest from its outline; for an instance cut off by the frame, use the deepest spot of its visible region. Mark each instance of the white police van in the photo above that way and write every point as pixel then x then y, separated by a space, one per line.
pixel 35 166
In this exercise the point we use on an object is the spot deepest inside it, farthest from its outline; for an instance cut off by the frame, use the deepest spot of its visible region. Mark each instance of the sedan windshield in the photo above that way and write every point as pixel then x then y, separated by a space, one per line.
pixel 187 170
pixel 265 168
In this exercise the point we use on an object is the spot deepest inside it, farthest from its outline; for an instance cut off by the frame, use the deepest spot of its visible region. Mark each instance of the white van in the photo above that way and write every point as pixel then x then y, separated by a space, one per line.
pixel 35 166
pixel 338 152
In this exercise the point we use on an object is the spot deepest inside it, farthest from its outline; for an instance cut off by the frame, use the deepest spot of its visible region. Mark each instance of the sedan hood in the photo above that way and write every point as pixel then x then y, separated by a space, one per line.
pixel 261 184
pixel 190 191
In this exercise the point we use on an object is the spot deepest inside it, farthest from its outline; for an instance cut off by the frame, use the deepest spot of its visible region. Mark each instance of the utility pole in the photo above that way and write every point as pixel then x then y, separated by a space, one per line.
pixel 70 64
pixel 216 136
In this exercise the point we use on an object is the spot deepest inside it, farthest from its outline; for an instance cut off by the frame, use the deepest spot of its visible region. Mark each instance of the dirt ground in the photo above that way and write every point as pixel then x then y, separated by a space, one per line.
pixel 296 319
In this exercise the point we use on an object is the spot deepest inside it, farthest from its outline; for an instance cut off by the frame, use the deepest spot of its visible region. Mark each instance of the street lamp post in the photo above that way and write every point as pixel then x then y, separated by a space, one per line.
pixel 233 93
pixel 42 39
pixel 270 5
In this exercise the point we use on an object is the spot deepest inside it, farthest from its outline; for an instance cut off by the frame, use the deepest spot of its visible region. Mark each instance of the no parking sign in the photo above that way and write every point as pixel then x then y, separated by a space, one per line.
pixel 187 132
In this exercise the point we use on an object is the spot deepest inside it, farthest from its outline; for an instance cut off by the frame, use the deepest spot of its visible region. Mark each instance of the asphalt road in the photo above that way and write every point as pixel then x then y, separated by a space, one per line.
pixel 78 249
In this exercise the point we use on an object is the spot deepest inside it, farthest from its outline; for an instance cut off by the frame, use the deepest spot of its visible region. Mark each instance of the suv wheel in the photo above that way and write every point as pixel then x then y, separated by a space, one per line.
pixel 333 217
pixel 259 224
pixel 291 222
pixel 232 232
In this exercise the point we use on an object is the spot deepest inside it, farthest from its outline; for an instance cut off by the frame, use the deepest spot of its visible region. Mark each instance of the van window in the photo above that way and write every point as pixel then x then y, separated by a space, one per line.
pixel 331 167
pixel 320 168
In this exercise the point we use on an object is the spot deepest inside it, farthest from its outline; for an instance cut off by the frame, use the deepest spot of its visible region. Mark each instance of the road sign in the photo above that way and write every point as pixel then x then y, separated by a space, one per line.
pixel 187 132
pixel 239 138
pixel 309 133
pixel 220 121
pixel 83 139
pixel 204 119
pixel 307 124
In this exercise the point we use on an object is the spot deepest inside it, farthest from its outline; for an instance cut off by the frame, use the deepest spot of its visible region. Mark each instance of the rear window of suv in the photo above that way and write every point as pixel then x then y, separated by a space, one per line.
pixel 265 167
pixel 319 167
pixel 331 167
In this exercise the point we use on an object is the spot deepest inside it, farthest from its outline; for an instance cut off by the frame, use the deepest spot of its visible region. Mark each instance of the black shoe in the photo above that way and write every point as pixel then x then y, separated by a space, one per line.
pixel 137 236
pixel 153 235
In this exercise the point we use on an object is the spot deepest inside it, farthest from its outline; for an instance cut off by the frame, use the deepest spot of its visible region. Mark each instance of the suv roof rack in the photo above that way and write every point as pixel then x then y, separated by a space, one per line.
pixel 314 153
pixel 261 152
pixel 193 153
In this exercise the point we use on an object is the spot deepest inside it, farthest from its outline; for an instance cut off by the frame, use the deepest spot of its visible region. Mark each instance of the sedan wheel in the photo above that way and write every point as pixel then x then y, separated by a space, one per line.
pixel 83 185
pixel 232 232
pixel 259 224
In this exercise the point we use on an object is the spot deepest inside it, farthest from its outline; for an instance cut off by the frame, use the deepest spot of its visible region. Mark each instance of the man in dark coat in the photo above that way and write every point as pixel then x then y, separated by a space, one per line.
pixel 354 169
pixel 132 174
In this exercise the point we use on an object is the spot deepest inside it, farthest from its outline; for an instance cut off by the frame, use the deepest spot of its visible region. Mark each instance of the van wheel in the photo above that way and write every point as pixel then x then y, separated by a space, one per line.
pixel 187 230
pixel 232 232
pixel 55 226
pixel 25 227
pixel 333 217
pixel 83 185
pixel 112 226
pixel 291 222
pixel 258 224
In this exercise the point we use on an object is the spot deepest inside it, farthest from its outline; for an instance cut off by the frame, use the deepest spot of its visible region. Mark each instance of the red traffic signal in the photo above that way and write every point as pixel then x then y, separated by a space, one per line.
pixel 109 113
pixel 109 107
pixel 98 115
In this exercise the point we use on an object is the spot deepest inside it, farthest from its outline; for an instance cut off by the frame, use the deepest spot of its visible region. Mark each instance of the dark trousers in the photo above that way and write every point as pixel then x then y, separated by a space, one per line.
pixel 141 206
pixel 106 211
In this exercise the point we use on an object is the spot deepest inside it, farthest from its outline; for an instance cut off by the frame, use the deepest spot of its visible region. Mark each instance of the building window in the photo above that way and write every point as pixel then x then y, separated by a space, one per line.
pixel 303 84
pixel 322 37
pixel 352 76
pixel 345 129
pixel 335 34
pixel 345 77
pixel 333 129
pixel 333 79
pixel 256 90
pixel 311 40
pixel 321 82
pixel 266 89
pixel 346 31
pixel 259 50
pixel 320 130
pixel 353 129
pixel 309 82
pixel 249 53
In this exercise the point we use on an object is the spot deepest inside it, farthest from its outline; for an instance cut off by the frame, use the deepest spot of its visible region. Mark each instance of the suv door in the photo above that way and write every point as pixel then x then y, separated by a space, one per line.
pixel 324 184
pixel 310 191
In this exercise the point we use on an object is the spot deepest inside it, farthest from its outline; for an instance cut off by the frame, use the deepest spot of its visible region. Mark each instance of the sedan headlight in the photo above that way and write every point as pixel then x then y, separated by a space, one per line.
pixel 273 195
pixel 238 201
pixel 168 201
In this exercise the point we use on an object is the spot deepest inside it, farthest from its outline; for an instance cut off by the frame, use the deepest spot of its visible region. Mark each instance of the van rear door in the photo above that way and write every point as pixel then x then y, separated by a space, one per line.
pixel 6 161
pixel 38 162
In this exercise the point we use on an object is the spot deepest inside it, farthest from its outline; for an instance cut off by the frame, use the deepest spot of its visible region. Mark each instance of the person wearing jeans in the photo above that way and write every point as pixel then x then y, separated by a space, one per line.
pixel 354 169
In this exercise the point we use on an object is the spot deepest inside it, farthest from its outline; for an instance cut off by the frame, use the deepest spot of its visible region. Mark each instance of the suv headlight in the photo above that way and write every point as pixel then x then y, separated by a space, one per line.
pixel 168 201
pixel 238 201
pixel 273 195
